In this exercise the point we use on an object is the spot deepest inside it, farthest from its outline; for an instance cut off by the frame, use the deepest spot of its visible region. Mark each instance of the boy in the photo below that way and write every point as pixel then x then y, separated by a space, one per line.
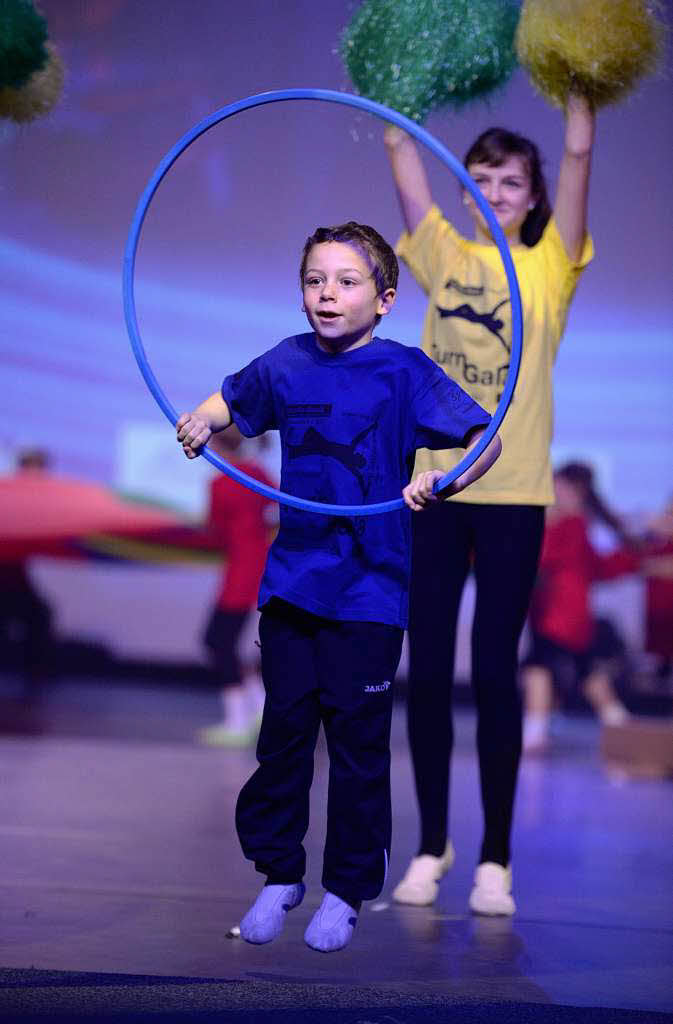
pixel 351 410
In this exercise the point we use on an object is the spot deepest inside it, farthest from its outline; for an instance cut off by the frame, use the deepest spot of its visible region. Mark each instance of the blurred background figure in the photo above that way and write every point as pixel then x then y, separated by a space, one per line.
pixel 26 638
pixel 239 521
pixel 658 569
pixel 570 647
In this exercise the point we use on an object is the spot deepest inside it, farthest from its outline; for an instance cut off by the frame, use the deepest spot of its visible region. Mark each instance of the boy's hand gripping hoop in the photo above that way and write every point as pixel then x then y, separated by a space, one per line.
pixel 454 165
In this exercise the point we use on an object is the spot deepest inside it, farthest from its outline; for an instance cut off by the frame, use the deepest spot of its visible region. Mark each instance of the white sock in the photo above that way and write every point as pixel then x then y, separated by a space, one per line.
pixel 535 729
pixel 331 927
pixel 255 694
pixel 613 714
pixel 235 707
pixel 266 917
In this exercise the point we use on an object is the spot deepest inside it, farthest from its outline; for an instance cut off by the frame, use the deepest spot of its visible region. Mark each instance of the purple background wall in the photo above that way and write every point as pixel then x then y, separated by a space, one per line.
pixel 217 276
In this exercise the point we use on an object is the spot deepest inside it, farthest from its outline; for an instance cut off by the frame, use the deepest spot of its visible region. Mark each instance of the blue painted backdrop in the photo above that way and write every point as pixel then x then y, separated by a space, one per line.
pixel 217 271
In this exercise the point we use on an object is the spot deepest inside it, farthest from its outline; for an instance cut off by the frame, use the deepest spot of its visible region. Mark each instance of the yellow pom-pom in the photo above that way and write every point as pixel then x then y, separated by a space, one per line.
pixel 39 95
pixel 599 48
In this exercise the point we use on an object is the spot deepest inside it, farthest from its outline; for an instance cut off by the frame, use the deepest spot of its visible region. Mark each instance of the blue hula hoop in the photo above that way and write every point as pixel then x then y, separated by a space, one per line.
pixel 454 165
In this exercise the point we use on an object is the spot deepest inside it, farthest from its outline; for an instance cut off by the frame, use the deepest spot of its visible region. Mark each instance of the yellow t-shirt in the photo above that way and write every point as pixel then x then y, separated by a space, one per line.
pixel 467 331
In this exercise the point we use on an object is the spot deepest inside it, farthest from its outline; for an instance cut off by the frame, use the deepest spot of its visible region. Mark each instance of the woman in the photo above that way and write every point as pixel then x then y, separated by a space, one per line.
pixel 495 527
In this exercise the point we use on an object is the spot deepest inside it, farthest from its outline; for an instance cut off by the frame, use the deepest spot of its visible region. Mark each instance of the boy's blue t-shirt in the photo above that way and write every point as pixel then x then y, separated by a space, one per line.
pixel 349 428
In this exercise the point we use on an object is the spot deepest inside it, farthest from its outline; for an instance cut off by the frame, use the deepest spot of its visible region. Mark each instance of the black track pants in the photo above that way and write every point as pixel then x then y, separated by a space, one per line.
pixel 341 674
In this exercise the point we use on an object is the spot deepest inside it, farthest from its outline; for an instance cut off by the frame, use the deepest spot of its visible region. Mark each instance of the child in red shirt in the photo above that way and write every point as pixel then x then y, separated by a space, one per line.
pixel 568 644
pixel 238 521
pixel 658 570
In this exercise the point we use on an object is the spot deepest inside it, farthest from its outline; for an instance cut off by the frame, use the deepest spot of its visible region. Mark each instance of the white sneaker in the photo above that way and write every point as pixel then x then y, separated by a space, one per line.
pixel 420 885
pixel 492 890
pixel 238 727
pixel 221 735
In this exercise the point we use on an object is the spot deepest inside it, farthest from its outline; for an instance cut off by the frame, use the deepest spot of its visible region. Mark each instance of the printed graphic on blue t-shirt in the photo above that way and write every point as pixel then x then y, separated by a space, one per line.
pixel 349 427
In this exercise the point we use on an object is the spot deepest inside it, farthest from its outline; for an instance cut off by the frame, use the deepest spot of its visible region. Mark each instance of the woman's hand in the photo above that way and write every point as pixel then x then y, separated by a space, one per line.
pixel 580 124
pixel 393 135
pixel 418 494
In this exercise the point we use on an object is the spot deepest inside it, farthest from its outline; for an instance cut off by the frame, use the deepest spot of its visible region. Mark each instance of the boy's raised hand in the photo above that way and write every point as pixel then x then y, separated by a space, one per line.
pixel 193 432
pixel 195 428
pixel 418 493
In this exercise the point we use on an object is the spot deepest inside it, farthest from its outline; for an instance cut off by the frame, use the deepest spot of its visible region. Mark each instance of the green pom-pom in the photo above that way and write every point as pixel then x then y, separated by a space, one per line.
pixel 394 51
pixel 419 55
pixel 482 55
pixel 23 34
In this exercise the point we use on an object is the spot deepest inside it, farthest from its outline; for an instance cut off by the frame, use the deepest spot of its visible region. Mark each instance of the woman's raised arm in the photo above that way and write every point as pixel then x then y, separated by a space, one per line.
pixel 411 180
pixel 570 208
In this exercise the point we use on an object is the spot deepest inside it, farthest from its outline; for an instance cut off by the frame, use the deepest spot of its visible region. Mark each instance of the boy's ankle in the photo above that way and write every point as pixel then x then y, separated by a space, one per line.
pixel 353 902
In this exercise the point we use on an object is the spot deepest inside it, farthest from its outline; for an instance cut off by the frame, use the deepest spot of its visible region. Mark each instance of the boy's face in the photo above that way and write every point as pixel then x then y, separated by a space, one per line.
pixel 340 297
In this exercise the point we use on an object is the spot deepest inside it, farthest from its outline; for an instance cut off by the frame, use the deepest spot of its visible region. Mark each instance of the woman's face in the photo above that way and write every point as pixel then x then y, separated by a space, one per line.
pixel 507 190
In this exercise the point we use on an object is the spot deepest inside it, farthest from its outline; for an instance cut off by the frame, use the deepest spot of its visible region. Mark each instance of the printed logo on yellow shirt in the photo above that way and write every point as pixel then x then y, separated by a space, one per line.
pixel 462 360
pixel 488 319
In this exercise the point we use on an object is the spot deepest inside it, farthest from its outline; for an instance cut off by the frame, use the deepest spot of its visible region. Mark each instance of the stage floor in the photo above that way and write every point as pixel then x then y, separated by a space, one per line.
pixel 120 857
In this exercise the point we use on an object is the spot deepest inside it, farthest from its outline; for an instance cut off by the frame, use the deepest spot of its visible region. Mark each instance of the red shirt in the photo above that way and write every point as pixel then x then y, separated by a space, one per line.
pixel 237 521
pixel 560 609
pixel 659 607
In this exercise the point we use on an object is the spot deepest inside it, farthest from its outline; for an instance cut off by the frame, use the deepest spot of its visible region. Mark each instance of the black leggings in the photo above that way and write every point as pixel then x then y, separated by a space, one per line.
pixel 501 543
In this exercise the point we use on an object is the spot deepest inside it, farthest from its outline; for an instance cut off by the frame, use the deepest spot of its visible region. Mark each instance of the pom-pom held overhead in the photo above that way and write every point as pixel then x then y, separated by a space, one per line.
pixel 419 55
pixel 23 35
pixel 393 52
pixel 599 48
pixel 39 95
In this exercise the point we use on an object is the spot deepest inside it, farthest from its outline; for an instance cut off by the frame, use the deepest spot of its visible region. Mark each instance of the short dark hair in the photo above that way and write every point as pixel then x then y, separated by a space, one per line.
pixel 386 268
pixel 493 147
